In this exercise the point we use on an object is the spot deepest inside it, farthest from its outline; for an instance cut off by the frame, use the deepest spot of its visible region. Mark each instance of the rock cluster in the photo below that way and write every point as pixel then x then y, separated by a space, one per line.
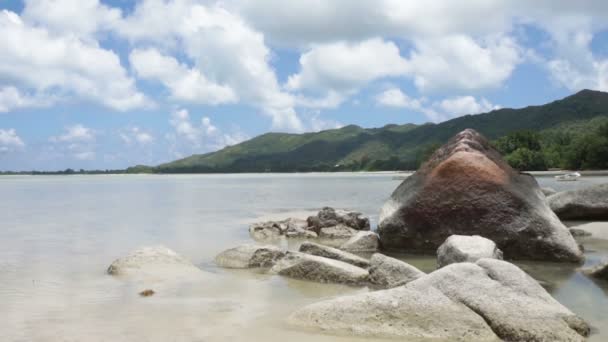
pixel 466 188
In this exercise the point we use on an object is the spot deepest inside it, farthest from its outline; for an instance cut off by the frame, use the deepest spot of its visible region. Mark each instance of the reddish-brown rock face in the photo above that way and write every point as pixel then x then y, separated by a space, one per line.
pixel 466 188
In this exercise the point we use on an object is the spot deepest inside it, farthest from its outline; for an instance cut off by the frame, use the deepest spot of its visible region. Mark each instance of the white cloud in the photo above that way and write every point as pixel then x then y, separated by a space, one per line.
pixel 437 111
pixel 37 59
pixel 223 49
pixel 11 98
pixel 71 17
pixel 184 83
pixel 85 155
pixel 10 141
pixel 75 133
pixel 135 135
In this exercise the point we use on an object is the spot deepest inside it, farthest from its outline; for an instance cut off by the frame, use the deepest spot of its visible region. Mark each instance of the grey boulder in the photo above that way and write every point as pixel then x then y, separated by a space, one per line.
pixel 387 272
pixel 466 188
pixel 323 270
pixel 584 204
pixel 599 271
pixel 157 262
pixel 329 217
pixel 548 191
pixel 462 248
pixel 340 231
pixel 364 241
pixel 249 256
pixel 333 253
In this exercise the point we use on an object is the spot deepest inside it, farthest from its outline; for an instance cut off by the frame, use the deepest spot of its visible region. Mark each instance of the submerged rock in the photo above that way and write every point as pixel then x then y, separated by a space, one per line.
pixel 466 188
pixel 406 312
pixel 249 256
pixel 489 300
pixel 153 261
pixel 389 272
pixel 333 253
pixel 461 248
pixel 330 217
pixel 584 204
pixel 598 271
pixel 362 242
pixel 515 306
pixel 314 268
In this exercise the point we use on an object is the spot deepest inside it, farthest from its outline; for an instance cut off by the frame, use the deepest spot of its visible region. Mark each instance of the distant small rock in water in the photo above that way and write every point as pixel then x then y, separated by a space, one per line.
pixel 466 188
pixel 147 293
pixel 598 271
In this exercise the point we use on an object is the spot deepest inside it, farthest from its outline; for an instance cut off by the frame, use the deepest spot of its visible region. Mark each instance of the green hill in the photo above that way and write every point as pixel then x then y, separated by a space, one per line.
pixel 391 147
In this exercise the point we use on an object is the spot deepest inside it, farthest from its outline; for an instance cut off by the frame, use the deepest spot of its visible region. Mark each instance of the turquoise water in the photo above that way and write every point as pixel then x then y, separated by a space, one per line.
pixel 58 234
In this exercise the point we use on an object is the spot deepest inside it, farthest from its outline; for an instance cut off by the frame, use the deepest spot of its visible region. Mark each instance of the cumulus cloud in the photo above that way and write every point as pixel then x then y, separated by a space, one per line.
pixel 37 59
pixel 437 111
pixel 135 135
pixel 10 141
pixel 77 141
pixel 12 98
pixel 75 133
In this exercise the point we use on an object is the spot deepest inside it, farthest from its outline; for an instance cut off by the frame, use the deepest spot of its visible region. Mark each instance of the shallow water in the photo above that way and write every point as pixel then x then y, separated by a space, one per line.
pixel 58 234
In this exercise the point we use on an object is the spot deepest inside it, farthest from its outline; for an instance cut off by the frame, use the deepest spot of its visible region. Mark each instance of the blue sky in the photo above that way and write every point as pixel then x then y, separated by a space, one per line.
pixel 107 84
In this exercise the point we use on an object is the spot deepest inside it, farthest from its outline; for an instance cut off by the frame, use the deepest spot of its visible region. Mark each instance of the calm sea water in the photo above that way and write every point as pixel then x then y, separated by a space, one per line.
pixel 58 234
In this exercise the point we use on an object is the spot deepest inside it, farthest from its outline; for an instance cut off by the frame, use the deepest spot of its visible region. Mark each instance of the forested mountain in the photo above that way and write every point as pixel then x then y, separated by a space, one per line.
pixel 554 126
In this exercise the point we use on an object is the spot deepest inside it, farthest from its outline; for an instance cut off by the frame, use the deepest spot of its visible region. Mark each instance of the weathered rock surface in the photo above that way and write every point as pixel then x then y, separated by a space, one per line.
pixel 314 268
pixel 340 231
pixel 389 272
pixel 577 232
pixel 587 204
pixel 249 256
pixel 333 253
pixel 515 306
pixel 548 191
pixel 152 262
pixel 462 248
pixel 272 230
pixel 489 300
pixel 599 271
pixel 365 241
pixel 262 231
pixel 406 312
pixel 329 217
pixel 466 188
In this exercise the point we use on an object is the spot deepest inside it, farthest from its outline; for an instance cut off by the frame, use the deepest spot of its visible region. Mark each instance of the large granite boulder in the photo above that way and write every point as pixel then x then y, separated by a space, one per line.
pixel 466 188
pixel 387 272
pixel 329 217
pixel 249 256
pixel 584 204
pixel 462 248
pixel 323 270
pixel 408 313
pixel 489 300
pixel 515 306
pixel 333 253
pixel 153 262
pixel 365 241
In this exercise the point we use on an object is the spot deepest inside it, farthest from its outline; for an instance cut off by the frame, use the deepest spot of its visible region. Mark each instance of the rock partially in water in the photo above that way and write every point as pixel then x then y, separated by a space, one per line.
pixel 515 306
pixel 329 217
pixel 388 272
pixel 156 262
pixel 486 301
pixel 365 241
pixel 314 268
pixel 406 313
pixel 577 232
pixel 333 253
pixel 273 230
pixel 263 231
pixel 548 191
pixel 462 248
pixel 249 256
pixel 466 188
pixel 584 204
pixel 340 231
pixel 598 271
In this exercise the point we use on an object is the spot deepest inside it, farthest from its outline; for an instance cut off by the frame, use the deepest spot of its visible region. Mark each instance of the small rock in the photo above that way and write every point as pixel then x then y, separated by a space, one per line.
pixel 339 231
pixel 329 217
pixel 314 268
pixel 599 271
pixel 153 261
pixel 462 248
pixel 333 253
pixel 548 191
pixel 263 231
pixel 364 241
pixel 389 272
pixel 577 232
pixel 249 256
pixel 147 293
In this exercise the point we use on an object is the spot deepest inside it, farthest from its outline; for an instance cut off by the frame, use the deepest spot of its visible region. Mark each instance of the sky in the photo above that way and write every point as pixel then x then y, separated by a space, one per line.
pixel 106 84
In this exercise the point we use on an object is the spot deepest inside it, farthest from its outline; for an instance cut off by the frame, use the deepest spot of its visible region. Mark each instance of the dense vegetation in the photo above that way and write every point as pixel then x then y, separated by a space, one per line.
pixel 561 134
